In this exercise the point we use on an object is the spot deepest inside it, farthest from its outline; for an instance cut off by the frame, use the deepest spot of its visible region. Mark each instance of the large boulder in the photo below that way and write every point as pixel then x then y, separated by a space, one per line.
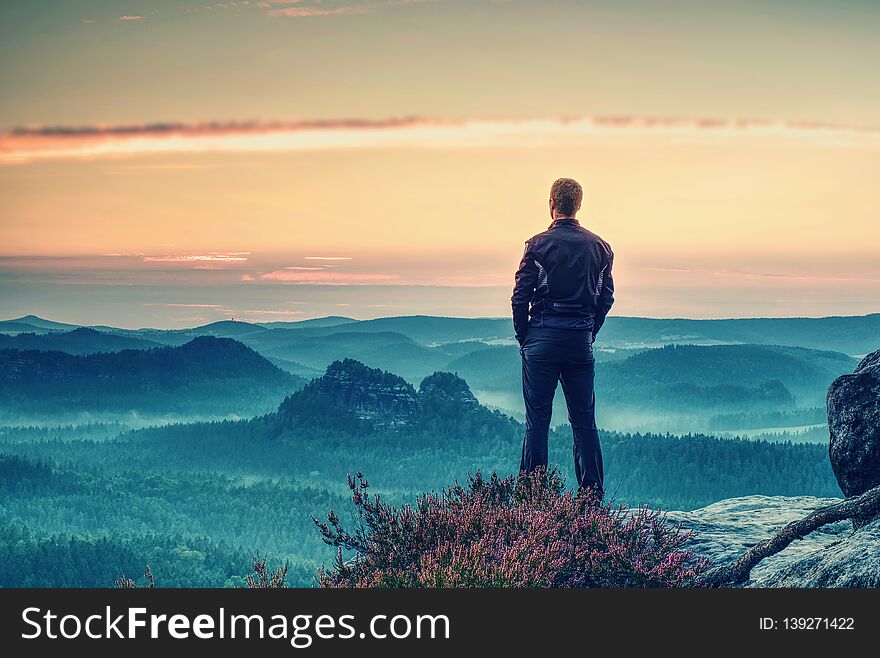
pixel 854 422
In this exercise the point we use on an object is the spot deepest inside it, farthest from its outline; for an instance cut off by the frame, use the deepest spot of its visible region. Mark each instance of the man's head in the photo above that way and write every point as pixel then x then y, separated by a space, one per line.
pixel 566 195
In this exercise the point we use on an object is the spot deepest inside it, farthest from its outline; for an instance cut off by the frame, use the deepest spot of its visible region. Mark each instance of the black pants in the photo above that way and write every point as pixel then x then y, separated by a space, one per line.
pixel 550 355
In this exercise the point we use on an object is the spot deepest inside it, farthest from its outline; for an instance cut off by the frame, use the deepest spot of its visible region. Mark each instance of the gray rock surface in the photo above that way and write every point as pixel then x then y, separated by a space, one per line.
pixel 852 562
pixel 833 556
pixel 372 394
pixel 854 422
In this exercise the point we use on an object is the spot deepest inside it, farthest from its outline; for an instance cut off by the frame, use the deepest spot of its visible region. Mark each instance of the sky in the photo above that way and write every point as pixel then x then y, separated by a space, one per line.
pixel 171 163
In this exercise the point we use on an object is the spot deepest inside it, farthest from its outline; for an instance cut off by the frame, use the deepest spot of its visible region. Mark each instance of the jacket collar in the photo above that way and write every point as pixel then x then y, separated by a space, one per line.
pixel 565 221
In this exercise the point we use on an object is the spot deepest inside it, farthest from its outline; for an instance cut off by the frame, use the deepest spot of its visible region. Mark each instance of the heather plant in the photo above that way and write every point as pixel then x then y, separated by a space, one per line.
pixel 124 582
pixel 523 531
pixel 263 578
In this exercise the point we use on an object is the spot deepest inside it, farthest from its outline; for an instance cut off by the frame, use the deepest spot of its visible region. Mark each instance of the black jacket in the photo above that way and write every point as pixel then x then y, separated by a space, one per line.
pixel 564 280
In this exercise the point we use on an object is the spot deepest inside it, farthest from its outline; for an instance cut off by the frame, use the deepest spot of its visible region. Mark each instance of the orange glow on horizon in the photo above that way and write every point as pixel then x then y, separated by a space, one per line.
pixel 51 143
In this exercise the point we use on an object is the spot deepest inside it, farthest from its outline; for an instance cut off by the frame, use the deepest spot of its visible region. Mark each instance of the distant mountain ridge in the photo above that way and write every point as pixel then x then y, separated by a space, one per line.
pixel 205 372
pixel 848 334
pixel 645 383
pixel 42 323
pixel 386 350
pixel 806 373
pixel 228 329
pixel 33 324
pixel 328 321
pixel 854 335
pixel 82 340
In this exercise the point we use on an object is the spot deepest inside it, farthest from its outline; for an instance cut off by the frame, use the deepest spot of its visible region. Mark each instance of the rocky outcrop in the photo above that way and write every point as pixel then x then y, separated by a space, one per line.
pixel 854 422
pixel 351 391
pixel 446 391
pixel 369 393
pixel 832 556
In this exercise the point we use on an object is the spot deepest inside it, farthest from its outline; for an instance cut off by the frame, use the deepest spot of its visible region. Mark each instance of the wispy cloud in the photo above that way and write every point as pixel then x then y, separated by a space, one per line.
pixel 326 257
pixel 131 18
pixel 327 278
pixel 213 257
pixel 184 305
pixel 214 260
pixel 303 12
pixel 178 129
pixel 29 143
pixel 309 268
pixel 312 8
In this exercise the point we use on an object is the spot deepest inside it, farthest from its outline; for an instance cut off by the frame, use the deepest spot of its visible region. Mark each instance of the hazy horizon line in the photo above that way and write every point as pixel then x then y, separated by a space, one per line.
pixel 422 315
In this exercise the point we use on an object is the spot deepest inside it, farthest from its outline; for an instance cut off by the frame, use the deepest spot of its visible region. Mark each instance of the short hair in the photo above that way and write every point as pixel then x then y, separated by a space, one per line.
pixel 567 195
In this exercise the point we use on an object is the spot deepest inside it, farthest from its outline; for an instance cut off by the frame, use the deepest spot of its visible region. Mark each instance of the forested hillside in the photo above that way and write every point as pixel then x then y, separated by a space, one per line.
pixel 78 341
pixel 207 373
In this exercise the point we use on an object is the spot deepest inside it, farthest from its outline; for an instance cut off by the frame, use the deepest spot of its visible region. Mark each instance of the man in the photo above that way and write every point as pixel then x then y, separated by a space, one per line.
pixel 563 292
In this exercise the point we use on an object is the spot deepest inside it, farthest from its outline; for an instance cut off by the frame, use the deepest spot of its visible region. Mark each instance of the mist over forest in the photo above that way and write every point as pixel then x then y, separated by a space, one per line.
pixel 195 450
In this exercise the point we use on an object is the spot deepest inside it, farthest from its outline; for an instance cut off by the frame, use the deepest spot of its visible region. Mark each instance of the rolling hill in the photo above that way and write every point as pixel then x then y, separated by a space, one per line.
pixel 383 349
pixel 328 321
pixel 848 334
pixel 217 375
pixel 33 324
pixel 673 387
pixel 806 373
pixel 431 330
pixel 227 329
pixel 854 335
pixel 79 341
